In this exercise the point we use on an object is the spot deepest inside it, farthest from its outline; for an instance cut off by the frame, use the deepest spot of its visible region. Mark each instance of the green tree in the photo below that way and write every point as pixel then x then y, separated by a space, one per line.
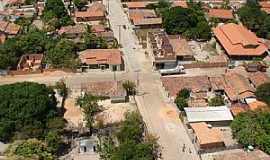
pixel 263 93
pixel 53 141
pixel 62 88
pixel 132 128
pixel 181 103
pixel 92 41
pixel 80 3
pixel 252 128
pixel 185 93
pixel 187 21
pixel 130 87
pixel 63 55
pixel 29 149
pixel 255 19
pixel 216 101
pixel 90 106
pixel 25 109
pixel 55 9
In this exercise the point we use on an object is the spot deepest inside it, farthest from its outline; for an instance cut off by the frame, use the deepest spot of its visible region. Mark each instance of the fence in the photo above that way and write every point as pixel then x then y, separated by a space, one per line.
pixel 205 65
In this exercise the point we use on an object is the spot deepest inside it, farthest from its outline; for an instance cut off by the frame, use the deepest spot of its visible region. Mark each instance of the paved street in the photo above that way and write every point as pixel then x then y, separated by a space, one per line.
pixel 161 118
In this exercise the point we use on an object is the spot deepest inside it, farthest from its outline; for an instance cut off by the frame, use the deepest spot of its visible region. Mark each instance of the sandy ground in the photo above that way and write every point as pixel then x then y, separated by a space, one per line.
pixel 114 112
pixel 73 113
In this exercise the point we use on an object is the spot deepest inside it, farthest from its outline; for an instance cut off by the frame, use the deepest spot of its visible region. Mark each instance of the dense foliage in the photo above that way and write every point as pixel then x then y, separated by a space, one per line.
pixel 55 14
pixel 255 19
pixel 253 128
pixel 27 110
pixel 263 93
pixel 80 3
pixel 190 22
pixel 181 99
pixel 62 55
pixel 29 149
pixel 216 101
pixel 133 145
pixel 32 42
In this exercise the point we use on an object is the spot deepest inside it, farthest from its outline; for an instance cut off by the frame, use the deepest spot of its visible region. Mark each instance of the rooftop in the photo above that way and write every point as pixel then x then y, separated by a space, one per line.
pixel 237 86
pixel 207 135
pixel 162 48
pixel 208 114
pixel 265 6
pixel 133 5
pixel 180 46
pixel 179 3
pixel 242 155
pixel 174 84
pixel 220 13
pixel 144 17
pixel 76 29
pixel 101 56
pixel 95 10
pixel 258 78
pixel 105 88
pixel 9 28
pixel 239 41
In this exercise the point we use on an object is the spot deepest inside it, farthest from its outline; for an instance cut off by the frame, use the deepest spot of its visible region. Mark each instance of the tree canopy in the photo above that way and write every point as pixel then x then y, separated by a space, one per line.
pixel 133 145
pixel 263 93
pixel 55 14
pixel 255 19
pixel 253 128
pixel 217 101
pixel 190 22
pixel 27 109
pixel 29 149
pixel 62 55
pixel 181 99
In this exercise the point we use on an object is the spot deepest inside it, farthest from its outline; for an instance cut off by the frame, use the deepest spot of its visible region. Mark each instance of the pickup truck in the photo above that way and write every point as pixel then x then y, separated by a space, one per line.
pixel 177 70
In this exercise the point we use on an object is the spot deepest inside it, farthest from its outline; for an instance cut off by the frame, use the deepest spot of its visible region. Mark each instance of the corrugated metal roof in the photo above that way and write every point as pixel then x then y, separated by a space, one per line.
pixel 208 114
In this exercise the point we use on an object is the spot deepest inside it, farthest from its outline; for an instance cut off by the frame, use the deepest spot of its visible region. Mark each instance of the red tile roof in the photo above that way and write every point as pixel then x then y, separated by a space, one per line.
pixel 238 41
pixel 95 10
pixel 174 84
pixel 9 28
pixel 144 17
pixel 178 3
pixel 220 13
pixel 258 78
pixel 237 87
pixel 134 5
pixel 78 28
pixel 265 6
pixel 101 56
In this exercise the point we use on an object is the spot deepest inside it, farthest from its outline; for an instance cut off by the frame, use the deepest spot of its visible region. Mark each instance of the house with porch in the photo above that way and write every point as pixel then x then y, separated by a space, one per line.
pixel 101 59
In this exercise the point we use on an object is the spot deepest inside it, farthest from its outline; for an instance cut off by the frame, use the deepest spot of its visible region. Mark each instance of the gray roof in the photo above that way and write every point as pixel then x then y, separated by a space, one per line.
pixel 208 114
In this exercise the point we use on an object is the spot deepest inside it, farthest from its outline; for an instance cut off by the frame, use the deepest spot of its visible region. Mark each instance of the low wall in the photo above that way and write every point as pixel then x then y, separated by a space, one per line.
pixel 19 72
pixel 205 65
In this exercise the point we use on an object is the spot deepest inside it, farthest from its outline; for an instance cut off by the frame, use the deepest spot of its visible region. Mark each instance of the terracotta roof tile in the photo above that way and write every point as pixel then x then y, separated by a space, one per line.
pixel 144 17
pixel 206 135
pixel 220 13
pixel 237 87
pixel 95 10
pixel 105 88
pixel 258 78
pixel 174 84
pixel 134 5
pixel 178 3
pixel 78 28
pixel 238 41
pixel 101 56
